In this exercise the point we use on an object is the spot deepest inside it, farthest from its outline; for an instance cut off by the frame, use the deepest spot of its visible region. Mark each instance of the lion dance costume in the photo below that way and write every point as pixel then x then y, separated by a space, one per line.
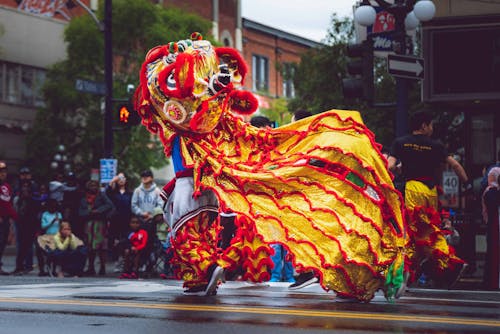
pixel 319 186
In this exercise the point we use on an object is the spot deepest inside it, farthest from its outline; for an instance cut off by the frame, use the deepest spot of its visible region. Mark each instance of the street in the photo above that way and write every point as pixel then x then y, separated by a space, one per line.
pixel 31 304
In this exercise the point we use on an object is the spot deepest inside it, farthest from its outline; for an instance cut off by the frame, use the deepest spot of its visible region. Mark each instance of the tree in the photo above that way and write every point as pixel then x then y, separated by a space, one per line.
pixel 74 119
pixel 277 112
pixel 318 83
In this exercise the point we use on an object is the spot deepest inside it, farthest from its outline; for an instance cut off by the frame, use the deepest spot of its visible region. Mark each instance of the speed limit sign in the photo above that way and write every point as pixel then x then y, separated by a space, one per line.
pixel 451 188
pixel 450 183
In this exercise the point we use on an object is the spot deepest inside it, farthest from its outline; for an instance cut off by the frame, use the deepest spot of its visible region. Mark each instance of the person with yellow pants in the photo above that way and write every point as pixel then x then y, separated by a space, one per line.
pixel 421 157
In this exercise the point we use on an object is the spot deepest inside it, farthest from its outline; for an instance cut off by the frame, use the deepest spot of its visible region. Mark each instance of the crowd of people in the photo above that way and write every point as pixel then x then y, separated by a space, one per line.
pixel 70 226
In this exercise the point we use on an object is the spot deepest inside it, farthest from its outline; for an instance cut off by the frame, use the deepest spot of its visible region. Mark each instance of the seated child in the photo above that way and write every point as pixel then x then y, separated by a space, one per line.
pixel 133 248
pixel 69 254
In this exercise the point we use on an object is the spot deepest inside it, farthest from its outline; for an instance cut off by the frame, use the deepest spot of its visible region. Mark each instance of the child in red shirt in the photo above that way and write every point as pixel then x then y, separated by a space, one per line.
pixel 134 248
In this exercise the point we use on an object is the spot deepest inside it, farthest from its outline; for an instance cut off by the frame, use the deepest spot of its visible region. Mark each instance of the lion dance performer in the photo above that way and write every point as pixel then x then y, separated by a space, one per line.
pixel 319 186
pixel 421 158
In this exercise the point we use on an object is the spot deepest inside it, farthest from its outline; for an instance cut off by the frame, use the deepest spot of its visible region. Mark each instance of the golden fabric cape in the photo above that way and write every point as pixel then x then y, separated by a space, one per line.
pixel 319 186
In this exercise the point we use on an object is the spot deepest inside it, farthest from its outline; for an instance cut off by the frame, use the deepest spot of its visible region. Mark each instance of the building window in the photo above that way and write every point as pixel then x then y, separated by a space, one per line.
pixel 21 85
pixel 260 73
pixel 288 74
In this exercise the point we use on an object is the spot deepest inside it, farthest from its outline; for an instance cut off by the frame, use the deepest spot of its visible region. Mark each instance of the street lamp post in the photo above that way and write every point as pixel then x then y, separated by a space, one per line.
pixel 105 27
pixel 407 14
pixel 108 74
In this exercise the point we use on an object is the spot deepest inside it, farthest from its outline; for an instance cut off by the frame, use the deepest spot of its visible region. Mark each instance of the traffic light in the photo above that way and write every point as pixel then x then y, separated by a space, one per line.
pixel 127 115
pixel 360 67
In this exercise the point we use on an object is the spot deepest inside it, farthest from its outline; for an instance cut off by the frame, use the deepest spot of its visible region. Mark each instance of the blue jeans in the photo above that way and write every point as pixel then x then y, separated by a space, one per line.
pixel 283 270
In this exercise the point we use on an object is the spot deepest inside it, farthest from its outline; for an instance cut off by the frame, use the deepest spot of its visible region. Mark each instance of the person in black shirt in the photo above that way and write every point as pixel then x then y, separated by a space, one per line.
pixel 421 158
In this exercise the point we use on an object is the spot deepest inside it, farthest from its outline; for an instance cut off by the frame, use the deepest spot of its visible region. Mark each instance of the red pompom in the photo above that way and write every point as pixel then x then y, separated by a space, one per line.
pixel 243 102
pixel 196 36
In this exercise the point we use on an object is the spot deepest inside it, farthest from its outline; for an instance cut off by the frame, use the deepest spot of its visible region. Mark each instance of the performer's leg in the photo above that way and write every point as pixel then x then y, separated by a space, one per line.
pixel 277 258
pixel 248 251
pixel 430 247
pixel 195 252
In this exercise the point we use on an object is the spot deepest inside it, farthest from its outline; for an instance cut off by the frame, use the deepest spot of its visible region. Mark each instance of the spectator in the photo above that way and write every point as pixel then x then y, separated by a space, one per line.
pixel 300 114
pixel 146 198
pixel 7 213
pixel 484 180
pixel 261 122
pixel 95 208
pixel 26 226
pixel 51 218
pixel 118 192
pixel 57 188
pixel 70 253
pixel 50 221
pixel 71 203
pixel 491 215
pixel 134 248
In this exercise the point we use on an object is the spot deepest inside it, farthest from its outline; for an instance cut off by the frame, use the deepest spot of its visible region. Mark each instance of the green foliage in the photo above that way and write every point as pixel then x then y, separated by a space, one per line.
pixel 318 78
pixel 318 83
pixel 278 112
pixel 73 118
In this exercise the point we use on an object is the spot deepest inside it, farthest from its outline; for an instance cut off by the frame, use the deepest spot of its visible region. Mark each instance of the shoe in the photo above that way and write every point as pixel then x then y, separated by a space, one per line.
pixel 124 276
pixel 133 275
pixel 17 272
pixel 456 274
pixel 3 272
pixel 118 267
pixel 89 272
pixel 199 290
pixel 215 276
pixel 404 285
pixel 303 280
pixel 102 272
pixel 28 270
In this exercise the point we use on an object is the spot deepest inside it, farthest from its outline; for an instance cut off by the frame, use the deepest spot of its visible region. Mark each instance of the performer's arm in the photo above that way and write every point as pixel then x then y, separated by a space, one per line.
pixel 458 169
pixel 392 163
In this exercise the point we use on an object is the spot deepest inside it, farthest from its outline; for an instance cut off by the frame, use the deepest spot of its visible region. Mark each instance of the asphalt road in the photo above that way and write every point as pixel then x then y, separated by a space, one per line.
pixel 29 304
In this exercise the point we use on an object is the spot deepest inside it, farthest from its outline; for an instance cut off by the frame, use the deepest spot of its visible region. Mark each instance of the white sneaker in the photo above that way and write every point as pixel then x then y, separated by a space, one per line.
pixel 217 275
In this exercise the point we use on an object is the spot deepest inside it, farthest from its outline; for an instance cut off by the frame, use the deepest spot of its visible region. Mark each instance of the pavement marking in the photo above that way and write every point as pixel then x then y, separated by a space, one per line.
pixel 264 311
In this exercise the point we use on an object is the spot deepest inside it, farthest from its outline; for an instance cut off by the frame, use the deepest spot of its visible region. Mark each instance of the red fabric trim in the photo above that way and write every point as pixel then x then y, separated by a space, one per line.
pixel 233 55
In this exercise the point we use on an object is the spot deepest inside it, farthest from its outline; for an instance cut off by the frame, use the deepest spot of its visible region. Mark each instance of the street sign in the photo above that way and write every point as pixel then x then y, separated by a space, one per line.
pixel 108 169
pixel 91 87
pixel 450 189
pixel 405 66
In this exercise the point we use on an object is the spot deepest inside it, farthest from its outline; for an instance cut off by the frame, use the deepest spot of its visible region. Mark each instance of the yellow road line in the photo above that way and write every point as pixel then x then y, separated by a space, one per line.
pixel 264 310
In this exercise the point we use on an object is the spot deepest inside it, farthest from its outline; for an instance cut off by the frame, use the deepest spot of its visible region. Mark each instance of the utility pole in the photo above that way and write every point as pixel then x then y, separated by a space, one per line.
pixel 108 78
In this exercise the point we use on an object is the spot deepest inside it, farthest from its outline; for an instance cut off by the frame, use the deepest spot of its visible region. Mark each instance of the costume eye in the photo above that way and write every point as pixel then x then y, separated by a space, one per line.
pixel 171 84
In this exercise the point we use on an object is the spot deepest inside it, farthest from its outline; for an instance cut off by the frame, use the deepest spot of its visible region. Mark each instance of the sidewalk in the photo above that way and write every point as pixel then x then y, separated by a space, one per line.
pixel 9 263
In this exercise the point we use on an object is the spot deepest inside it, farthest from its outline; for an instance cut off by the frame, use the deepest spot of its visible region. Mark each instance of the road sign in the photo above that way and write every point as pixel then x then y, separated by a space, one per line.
pixel 405 66
pixel 450 189
pixel 91 87
pixel 108 169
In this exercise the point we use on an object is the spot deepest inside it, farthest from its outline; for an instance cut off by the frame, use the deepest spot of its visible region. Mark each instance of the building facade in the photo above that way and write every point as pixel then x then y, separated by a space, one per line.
pixel 31 40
